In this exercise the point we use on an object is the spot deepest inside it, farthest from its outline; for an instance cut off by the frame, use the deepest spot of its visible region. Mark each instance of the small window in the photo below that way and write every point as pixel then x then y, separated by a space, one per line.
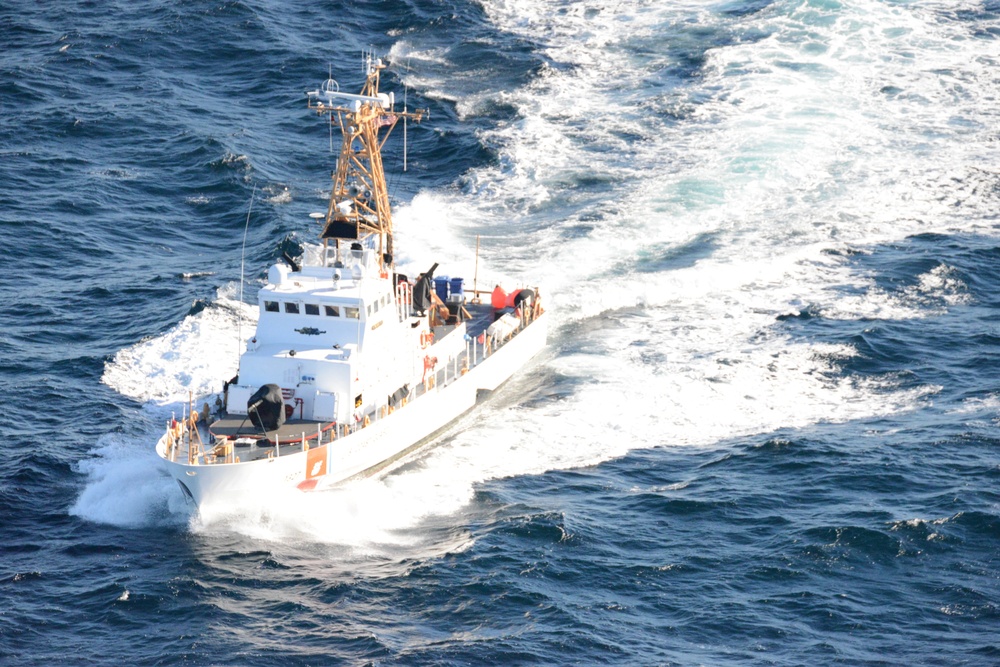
pixel 291 308
pixel 271 306
pixel 377 304
pixel 332 311
pixel 312 309
pixel 352 313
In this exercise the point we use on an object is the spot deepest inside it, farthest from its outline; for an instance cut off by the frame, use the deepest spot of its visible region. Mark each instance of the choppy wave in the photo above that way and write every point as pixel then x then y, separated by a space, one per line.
pixel 767 233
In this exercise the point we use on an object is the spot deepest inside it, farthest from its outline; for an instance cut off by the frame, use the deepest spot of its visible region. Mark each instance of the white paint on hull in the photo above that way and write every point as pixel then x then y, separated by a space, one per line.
pixel 367 450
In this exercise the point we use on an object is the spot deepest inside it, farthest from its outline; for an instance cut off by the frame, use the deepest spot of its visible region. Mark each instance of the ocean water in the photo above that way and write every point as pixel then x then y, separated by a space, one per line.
pixel 765 430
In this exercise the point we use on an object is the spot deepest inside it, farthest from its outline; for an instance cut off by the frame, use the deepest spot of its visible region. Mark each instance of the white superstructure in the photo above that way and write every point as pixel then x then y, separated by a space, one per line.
pixel 314 327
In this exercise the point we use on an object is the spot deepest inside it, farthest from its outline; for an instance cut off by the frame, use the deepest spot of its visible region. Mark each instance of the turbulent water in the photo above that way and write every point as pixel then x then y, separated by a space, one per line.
pixel 765 429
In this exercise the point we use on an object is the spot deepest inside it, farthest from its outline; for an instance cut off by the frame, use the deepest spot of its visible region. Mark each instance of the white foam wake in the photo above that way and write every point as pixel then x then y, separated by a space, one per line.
pixel 196 356
pixel 125 484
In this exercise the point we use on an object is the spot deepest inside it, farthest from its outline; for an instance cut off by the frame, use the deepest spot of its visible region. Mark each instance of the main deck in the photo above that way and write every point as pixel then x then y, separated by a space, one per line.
pixel 250 442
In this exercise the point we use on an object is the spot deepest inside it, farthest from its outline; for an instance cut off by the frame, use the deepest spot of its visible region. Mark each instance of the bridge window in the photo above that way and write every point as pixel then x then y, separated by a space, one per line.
pixel 353 313
pixel 312 309
pixel 332 311
pixel 292 308
pixel 271 306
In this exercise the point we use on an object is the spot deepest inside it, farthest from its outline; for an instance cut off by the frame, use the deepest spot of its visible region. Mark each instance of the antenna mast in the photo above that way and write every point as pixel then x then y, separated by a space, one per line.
pixel 359 203
pixel 404 127
pixel 243 253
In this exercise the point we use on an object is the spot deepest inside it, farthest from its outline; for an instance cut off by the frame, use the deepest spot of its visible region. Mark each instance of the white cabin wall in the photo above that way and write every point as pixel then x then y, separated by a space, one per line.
pixel 280 328
pixel 384 373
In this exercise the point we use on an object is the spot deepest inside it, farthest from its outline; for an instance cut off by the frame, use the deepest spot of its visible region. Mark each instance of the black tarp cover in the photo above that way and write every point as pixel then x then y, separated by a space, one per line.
pixel 266 408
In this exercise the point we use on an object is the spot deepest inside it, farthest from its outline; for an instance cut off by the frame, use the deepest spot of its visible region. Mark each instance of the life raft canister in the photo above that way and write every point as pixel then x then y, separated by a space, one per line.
pixel 519 296
pixel 499 298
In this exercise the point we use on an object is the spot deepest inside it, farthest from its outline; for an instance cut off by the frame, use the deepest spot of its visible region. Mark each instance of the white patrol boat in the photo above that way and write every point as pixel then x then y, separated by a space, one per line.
pixel 353 365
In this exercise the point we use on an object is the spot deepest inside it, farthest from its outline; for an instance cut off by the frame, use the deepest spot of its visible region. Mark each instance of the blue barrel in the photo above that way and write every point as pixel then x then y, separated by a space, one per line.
pixel 458 289
pixel 441 287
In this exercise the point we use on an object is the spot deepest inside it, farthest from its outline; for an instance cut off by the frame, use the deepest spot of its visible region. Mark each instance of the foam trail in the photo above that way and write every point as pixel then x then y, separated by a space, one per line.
pixel 125 484
pixel 126 487
pixel 799 156
pixel 195 356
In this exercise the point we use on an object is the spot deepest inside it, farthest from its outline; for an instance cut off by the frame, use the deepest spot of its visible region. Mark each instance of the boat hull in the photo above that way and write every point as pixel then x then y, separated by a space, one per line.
pixel 364 452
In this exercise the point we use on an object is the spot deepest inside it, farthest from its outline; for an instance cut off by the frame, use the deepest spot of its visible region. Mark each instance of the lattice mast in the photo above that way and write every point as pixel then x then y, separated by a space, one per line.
pixel 359 202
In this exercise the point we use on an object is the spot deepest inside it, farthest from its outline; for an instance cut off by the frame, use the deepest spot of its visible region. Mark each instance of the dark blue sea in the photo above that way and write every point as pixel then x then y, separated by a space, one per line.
pixel 765 431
